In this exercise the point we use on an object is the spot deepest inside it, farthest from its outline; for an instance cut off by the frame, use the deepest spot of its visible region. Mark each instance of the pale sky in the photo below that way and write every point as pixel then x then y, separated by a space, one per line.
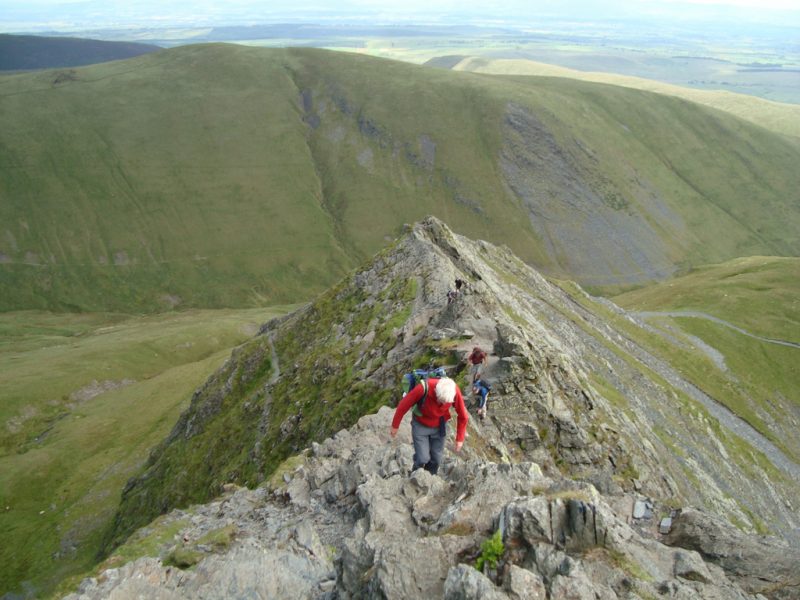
pixel 39 15
pixel 7 5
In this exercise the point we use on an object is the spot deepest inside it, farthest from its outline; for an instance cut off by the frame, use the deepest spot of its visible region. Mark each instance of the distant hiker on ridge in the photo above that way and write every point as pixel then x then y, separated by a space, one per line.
pixel 431 400
pixel 477 359
pixel 453 294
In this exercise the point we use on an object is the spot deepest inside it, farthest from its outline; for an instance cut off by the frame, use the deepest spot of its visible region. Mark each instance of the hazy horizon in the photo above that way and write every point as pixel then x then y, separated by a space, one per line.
pixel 735 45
pixel 34 16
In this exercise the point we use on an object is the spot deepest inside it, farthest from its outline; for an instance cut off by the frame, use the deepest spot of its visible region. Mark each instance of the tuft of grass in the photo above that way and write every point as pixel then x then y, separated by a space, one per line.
pixel 218 539
pixel 459 528
pixel 626 563
pixel 287 466
pixel 183 557
pixel 148 541
pixel 492 550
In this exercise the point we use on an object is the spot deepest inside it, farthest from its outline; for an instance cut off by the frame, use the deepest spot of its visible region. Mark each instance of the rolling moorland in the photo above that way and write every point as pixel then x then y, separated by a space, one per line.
pixel 164 180
pixel 200 228
pixel 737 51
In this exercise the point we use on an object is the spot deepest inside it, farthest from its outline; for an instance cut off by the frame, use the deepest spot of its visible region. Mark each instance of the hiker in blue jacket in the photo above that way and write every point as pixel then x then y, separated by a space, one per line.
pixel 481 390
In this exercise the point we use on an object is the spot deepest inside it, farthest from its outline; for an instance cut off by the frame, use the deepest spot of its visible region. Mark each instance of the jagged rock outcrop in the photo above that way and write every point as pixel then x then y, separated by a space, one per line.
pixel 584 425
pixel 760 564
pixel 347 520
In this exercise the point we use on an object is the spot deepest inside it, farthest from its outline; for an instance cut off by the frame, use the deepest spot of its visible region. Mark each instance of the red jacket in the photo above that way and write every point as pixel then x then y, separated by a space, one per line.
pixel 432 410
pixel 477 357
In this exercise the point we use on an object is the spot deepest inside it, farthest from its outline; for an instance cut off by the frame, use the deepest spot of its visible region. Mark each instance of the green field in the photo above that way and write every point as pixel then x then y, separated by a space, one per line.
pixel 85 399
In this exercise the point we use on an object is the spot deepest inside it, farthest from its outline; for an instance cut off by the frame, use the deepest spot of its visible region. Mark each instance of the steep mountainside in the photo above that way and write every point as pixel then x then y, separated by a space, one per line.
pixel 26 52
pixel 220 175
pixel 575 399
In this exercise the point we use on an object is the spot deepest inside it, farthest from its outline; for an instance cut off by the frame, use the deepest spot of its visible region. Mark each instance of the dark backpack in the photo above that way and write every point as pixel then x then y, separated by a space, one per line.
pixel 410 380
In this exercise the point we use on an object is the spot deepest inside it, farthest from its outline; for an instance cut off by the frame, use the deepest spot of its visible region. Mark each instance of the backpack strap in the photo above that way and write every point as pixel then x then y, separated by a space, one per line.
pixel 417 410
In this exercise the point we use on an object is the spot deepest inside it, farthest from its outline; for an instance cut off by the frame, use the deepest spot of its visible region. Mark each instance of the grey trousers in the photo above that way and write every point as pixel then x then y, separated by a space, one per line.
pixel 428 446
pixel 477 371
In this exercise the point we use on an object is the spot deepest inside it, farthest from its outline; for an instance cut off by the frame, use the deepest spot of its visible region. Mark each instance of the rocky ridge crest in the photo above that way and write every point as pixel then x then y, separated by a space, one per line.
pixel 346 520
pixel 585 429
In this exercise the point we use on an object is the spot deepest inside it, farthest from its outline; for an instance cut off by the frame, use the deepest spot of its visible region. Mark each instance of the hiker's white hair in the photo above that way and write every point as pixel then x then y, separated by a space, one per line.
pixel 445 390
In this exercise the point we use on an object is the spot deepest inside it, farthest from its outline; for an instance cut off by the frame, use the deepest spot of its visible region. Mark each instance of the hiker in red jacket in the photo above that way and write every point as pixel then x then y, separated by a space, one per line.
pixel 429 420
pixel 478 359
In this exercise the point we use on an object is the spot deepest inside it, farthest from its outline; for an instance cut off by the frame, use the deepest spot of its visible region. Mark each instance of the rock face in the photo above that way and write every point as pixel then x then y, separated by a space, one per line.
pixel 760 564
pixel 589 444
pixel 350 521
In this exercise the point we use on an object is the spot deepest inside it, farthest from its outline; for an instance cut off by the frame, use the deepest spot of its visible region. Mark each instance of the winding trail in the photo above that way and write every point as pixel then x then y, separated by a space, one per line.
pixel 692 314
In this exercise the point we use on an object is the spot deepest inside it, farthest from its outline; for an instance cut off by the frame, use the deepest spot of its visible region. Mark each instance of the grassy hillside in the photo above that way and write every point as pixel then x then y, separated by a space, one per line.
pixel 775 116
pixel 85 399
pixel 308 377
pixel 217 175
pixel 760 294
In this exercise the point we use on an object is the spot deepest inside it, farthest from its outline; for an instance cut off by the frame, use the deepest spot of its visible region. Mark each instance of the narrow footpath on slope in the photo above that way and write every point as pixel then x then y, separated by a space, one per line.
pixel 276 367
pixel 692 314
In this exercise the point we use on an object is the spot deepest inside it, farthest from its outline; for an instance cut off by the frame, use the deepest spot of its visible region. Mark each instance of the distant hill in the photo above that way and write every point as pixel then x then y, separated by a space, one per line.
pixel 222 175
pixel 779 117
pixel 29 52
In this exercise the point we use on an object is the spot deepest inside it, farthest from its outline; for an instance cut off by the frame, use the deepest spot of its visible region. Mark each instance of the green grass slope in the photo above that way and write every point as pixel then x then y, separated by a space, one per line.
pixel 776 116
pixel 301 381
pixel 220 175
pixel 760 294
pixel 85 399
